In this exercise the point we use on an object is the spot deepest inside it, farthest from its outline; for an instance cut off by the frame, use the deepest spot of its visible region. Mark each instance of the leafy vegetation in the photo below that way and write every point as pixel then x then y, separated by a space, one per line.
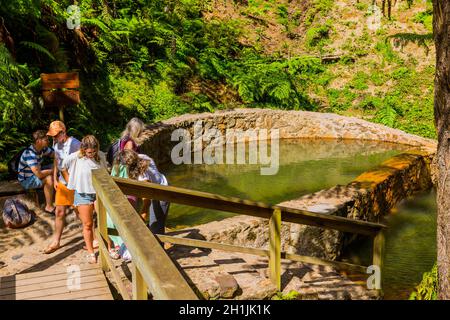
pixel 427 289
pixel 158 59
pixel 291 295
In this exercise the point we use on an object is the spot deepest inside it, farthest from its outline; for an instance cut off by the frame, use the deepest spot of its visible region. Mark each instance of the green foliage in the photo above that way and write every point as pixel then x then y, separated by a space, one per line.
pixel 428 287
pixel 317 36
pixel 318 8
pixel 291 295
pixel 426 17
pixel 359 81
pixel 279 83
pixel 38 48
pixel 16 108
pixel 385 49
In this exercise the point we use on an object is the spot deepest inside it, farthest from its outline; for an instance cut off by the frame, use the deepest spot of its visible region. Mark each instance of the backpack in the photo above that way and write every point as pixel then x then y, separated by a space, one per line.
pixel 113 150
pixel 13 164
pixel 16 213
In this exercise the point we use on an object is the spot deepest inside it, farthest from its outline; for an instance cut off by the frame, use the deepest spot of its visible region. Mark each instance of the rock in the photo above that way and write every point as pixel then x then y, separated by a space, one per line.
pixel 262 290
pixel 17 256
pixel 228 285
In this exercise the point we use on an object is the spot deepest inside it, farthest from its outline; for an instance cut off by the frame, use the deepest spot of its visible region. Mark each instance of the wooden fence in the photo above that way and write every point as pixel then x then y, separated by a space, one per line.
pixel 155 270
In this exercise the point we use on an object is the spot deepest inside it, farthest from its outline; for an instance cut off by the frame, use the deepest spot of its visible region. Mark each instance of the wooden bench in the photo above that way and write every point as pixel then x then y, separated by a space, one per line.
pixel 13 187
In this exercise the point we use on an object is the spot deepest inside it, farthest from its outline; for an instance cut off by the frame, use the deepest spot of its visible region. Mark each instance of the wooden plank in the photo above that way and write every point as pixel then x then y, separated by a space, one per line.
pixel 85 294
pixel 378 256
pixel 16 281
pixel 10 188
pixel 44 286
pixel 56 291
pixel 275 248
pixel 139 286
pixel 260 252
pixel 102 234
pixel 157 269
pixel 110 265
pixel 100 296
pixel 258 209
pixel 68 80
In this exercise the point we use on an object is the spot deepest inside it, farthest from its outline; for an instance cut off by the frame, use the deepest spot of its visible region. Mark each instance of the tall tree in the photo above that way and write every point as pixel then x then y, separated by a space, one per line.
pixel 441 28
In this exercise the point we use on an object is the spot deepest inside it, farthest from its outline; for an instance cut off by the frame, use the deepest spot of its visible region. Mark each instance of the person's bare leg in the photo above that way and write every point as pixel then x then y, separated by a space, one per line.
pixel 85 213
pixel 145 209
pixel 48 192
pixel 60 215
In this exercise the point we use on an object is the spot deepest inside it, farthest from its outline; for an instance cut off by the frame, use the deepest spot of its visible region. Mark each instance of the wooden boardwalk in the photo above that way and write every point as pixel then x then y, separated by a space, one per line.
pixel 61 283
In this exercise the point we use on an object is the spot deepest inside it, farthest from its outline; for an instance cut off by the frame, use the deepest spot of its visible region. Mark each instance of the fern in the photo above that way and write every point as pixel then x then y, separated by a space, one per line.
pixel 37 47
pixel 387 115
pixel 428 287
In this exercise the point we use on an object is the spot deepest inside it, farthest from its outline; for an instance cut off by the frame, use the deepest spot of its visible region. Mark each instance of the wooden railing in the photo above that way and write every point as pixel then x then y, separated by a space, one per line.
pixel 275 214
pixel 152 267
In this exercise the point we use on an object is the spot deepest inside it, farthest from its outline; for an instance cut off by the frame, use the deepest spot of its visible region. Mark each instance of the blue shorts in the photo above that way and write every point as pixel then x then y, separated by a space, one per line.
pixel 32 182
pixel 83 198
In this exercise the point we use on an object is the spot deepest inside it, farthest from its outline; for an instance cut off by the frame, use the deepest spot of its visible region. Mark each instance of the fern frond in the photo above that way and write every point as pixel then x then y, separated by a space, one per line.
pixel 37 47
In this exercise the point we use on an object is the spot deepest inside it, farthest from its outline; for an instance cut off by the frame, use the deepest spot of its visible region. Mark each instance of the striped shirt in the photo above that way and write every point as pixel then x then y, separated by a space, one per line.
pixel 31 158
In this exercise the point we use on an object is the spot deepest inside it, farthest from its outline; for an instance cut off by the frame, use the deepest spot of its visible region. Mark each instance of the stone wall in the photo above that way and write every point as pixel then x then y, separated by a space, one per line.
pixel 291 124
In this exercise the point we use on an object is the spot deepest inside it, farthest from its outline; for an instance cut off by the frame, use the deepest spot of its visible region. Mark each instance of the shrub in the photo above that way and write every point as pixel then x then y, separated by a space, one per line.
pixel 427 289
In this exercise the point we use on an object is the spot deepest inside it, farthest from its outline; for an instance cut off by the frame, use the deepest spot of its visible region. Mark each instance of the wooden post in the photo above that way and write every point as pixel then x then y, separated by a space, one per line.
pixel 378 256
pixel 103 231
pixel 275 248
pixel 139 286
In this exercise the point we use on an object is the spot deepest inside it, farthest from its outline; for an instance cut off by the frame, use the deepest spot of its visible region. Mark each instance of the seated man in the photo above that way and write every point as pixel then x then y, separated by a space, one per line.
pixel 30 173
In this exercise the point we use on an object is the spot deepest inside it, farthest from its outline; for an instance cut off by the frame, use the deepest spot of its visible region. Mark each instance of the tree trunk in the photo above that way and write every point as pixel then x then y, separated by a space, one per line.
pixel 441 27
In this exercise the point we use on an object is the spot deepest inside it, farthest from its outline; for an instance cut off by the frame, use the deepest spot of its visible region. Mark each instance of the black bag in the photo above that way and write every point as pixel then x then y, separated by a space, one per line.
pixel 16 213
pixel 113 150
pixel 13 164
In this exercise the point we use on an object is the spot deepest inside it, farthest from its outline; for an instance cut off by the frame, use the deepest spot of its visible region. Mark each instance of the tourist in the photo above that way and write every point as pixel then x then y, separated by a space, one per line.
pixel 63 146
pixel 131 136
pixel 30 173
pixel 78 166
pixel 129 164
pixel 142 168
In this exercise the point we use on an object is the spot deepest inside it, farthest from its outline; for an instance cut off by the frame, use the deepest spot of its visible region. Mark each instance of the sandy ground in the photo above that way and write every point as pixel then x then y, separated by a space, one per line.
pixel 21 250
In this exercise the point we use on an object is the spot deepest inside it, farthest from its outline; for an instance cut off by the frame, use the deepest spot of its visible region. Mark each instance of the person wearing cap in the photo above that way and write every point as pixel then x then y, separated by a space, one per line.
pixel 63 146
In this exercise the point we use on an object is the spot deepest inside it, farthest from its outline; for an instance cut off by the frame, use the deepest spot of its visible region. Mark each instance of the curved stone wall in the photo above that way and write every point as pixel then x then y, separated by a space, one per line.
pixel 291 124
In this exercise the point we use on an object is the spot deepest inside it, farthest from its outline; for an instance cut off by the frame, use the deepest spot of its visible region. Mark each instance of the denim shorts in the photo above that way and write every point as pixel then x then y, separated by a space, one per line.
pixel 83 198
pixel 32 182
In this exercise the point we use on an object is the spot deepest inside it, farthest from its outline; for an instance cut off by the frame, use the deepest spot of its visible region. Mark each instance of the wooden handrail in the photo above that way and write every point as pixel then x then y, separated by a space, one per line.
pixel 258 209
pixel 111 192
pixel 152 264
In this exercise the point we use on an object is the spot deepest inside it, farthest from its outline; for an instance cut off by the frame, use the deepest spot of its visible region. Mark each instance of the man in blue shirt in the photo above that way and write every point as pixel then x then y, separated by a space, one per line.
pixel 30 173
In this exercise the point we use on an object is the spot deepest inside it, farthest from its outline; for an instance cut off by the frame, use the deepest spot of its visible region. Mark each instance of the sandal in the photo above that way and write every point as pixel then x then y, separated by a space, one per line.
pixel 91 258
pixel 51 249
pixel 50 212
pixel 113 254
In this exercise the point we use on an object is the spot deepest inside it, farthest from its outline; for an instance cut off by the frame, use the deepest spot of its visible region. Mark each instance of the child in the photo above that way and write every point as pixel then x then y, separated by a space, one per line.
pixel 142 168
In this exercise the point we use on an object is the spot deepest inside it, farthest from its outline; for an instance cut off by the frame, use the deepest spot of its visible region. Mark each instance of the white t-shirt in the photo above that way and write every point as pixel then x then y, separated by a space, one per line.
pixel 80 176
pixel 61 152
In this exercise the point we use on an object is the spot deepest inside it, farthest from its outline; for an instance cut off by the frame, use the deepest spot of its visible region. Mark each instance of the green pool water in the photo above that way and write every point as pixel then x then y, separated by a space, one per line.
pixel 307 166
pixel 410 245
